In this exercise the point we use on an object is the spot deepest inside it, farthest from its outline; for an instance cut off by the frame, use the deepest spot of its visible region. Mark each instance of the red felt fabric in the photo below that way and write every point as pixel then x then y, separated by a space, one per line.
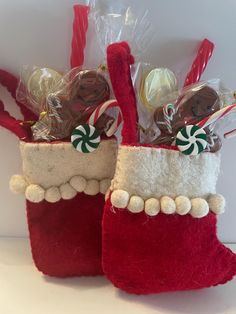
pixel 66 236
pixel 119 59
pixel 9 81
pixel 145 255
pixel 6 120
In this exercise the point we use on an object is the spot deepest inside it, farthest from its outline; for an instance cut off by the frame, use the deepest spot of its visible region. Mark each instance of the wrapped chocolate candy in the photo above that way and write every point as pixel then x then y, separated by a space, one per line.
pixel 70 103
pixel 214 142
pixel 191 107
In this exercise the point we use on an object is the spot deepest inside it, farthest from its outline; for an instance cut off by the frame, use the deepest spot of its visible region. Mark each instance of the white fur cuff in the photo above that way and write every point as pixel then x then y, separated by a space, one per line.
pixel 152 173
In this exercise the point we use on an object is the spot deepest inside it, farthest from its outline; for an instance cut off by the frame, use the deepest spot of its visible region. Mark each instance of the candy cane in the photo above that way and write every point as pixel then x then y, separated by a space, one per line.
pixel 199 64
pixel 54 103
pixel 100 110
pixel 168 111
pixel 230 134
pixel 218 115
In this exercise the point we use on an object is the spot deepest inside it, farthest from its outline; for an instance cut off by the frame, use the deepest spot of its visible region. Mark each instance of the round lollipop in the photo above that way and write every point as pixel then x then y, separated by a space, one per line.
pixel 157 87
pixel 41 81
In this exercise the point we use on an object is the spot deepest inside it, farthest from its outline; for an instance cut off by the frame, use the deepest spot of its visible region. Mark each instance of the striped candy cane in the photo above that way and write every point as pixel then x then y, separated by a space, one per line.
pixel 168 111
pixel 54 103
pixel 217 116
pixel 100 110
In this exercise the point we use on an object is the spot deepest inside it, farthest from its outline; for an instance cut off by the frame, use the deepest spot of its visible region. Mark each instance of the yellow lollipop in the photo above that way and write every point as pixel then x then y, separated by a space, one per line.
pixel 41 81
pixel 157 87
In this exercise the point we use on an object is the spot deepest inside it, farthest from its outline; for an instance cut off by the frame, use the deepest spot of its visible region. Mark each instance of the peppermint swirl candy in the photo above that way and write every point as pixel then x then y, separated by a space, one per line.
pixel 191 140
pixel 85 138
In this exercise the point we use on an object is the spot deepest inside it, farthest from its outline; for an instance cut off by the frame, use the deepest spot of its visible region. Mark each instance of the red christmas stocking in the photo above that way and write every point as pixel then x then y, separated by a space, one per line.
pixel 159 223
pixel 65 197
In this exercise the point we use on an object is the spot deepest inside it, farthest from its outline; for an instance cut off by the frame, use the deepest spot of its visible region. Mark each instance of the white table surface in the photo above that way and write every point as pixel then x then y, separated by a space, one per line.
pixel 23 290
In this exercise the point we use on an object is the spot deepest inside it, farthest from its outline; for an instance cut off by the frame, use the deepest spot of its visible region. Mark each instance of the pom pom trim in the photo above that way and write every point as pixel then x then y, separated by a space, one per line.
pixel 77 184
pixel 181 205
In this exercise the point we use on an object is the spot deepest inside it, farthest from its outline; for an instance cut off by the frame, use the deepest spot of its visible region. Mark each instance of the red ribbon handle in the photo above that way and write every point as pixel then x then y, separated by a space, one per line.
pixel 119 59
pixel 6 120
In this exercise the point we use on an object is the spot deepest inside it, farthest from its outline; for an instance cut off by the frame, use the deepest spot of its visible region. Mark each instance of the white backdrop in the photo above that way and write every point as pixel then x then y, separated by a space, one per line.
pixel 39 32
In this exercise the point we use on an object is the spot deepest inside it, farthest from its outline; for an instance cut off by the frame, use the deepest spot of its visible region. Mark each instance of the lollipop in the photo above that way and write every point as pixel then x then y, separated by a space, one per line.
pixel 41 81
pixel 157 86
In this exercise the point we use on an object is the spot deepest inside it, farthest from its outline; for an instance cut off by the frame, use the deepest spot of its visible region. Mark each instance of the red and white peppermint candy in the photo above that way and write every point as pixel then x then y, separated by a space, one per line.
pixel 101 109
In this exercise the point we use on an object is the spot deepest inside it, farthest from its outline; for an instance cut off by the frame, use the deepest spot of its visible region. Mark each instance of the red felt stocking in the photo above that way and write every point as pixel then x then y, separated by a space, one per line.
pixel 64 188
pixel 159 223
pixel 65 198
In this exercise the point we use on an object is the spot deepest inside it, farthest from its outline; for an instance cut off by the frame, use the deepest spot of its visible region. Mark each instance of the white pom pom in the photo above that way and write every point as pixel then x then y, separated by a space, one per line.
pixel 92 187
pixel 120 198
pixel 104 185
pixel 78 183
pixel 199 208
pixel 152 206
pixel 136 204
pixel 34 193
pixel 67 192
pixel 168 205
pixel 52 195
pixel 18 184
pixel 183 205
pixel 216 204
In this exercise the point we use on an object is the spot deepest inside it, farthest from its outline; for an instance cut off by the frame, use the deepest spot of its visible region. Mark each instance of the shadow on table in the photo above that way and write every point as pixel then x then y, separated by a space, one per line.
pixel 79 283
pixel 206 301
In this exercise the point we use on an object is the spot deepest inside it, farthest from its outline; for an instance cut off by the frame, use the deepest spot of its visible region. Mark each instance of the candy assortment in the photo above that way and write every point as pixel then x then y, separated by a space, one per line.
pixel 64 101
pixel 185 117
pixel 81 100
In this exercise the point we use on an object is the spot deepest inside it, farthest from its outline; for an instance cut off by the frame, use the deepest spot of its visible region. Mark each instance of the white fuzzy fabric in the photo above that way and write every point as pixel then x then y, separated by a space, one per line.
pixel 183 205
pixel 168 205
pixel 34 193
pixel 152 207
pixel 136 204
pixel 217 203
pixel 53 194
pixel 200 208
pixel 78 183
pixel 18 184
pixel 92 187
pixel 151 172
pixel 67 192
pixel 104 185
pixel 54 164
pixel 120 198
